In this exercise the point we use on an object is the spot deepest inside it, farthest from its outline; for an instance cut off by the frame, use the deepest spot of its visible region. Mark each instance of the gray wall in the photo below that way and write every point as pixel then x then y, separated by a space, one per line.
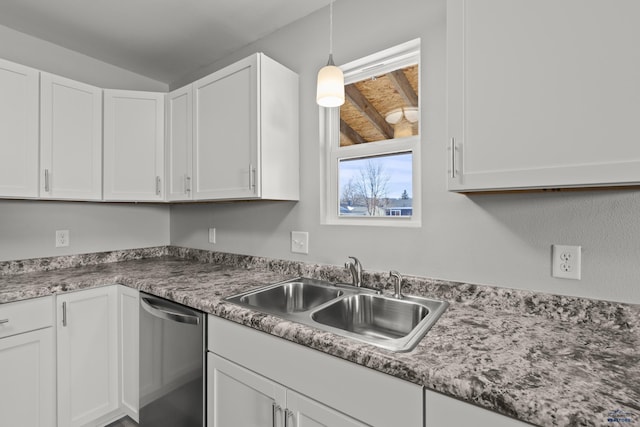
pixel 503 240
pixel 27 228
pixel 33 52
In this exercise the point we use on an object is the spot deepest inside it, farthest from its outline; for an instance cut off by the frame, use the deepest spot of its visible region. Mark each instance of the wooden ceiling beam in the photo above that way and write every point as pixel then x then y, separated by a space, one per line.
pixel 351 134
pixel 404 88
pixel 368 111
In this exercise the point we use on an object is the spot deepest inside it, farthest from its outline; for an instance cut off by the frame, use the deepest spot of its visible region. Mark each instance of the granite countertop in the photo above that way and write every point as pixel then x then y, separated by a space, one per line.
pixel 545 359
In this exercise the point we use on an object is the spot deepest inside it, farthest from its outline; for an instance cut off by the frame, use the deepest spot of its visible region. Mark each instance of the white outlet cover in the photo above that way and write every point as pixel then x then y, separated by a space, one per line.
pixel 62 238
pixel 566 262
pixel 212 235
pixel 300 242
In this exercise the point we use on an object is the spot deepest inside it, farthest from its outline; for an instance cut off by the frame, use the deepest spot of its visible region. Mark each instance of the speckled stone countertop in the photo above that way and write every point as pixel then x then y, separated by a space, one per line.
pixel 545 359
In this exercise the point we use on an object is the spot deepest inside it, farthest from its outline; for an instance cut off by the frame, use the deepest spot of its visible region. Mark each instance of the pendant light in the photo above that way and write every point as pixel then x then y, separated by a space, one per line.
pixel 330 78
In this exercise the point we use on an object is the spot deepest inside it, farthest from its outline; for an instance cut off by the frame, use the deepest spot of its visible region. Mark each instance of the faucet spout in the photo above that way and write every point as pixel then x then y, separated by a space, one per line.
pixel 355 268
pixel 397 288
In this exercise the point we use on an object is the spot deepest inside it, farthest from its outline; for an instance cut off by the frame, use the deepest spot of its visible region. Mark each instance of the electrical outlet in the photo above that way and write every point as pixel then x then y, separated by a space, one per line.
pixel 566 262
pixel 300 242
pixel 212 235
pixel 62 238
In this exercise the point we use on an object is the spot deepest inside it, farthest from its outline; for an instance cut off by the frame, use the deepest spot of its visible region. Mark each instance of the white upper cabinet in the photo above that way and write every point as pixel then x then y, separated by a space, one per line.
pixel 245 137
pixel 232 135
pixel 133 145
pixel 71 139
pixel 18 130
pixel 179 144
pixel 543 94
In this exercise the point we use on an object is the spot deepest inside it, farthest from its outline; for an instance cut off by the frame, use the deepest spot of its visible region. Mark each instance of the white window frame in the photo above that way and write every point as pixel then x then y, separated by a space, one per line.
pixel 394 58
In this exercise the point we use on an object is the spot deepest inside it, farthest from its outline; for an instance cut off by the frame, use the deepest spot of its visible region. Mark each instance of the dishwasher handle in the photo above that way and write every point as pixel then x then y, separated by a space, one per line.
pixel 173 312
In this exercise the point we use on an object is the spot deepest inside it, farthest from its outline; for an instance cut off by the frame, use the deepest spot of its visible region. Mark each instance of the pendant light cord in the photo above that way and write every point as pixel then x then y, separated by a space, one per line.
pixel 331 28
pixel 330 34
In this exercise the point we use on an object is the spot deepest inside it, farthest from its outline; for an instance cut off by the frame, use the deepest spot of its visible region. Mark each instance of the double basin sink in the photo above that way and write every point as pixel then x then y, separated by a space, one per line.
pixel 359 313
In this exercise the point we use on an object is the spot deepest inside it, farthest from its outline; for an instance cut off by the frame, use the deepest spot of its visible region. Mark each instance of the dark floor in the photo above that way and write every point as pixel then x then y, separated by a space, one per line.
pixel 123 422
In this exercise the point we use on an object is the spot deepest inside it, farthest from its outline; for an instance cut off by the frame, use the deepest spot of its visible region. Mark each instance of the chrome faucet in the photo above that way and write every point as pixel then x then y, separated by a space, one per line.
pixel 397 288
pixel 356 271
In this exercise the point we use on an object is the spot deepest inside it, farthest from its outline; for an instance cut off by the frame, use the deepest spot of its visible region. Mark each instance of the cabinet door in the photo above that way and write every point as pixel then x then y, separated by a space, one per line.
pixel 71 138
pixel 19 123
pixel 226 132
pixel 543 93
pixel 27 397
pixel 87 329
pixel 304 412
pixel 179 144
pixel 133 145
pixel 129 343
pixel 239 397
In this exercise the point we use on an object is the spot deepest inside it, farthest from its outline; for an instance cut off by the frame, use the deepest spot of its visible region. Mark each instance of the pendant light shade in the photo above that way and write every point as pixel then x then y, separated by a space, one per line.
pixel 330 86
pixel 330 91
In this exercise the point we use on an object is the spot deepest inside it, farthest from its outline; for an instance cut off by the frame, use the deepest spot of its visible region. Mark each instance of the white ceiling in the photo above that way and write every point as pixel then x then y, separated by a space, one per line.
pixel 160 39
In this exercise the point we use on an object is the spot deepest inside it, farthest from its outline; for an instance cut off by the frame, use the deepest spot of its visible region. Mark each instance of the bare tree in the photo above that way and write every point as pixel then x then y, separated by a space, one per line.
pixel 371 186
pixel 350 196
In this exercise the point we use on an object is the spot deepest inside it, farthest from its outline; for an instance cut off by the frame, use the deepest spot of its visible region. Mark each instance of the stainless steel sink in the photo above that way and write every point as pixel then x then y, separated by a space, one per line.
pixel 289 297
pixel 373 316
pixel 394 324
pixel 358 313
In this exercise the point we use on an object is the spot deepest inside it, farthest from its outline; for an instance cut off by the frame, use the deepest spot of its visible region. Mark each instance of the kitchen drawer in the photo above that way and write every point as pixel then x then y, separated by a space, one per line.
pixel 24 316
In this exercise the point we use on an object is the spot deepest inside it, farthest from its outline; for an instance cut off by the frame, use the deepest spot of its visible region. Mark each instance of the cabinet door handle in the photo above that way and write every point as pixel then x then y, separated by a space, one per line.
pixel 252 177
pixel 157 185
pixel 3 321
pixel 64 314
pixel 275 409
pixel 46 180
pixel 288 414
pixel 452 158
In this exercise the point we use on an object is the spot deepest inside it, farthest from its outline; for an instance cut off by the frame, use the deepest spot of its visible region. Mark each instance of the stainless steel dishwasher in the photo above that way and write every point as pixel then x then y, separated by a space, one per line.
pixel 172 363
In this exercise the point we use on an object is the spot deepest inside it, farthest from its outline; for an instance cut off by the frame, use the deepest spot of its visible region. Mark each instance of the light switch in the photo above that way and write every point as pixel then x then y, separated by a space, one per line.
pixel 300 242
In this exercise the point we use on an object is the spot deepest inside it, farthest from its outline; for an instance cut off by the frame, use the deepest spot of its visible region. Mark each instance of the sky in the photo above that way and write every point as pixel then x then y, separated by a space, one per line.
pixel 397 166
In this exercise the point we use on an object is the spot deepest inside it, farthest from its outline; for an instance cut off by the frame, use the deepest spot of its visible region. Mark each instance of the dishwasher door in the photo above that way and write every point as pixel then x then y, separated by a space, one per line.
pixel 172 362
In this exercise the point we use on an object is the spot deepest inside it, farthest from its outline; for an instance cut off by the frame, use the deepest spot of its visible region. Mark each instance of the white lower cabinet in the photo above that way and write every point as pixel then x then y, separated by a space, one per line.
pixel 305 412
pixel 87 327
pixel 27 394
pixel 273 382
pixel 128 349
pixel 442 410
pixel 240 397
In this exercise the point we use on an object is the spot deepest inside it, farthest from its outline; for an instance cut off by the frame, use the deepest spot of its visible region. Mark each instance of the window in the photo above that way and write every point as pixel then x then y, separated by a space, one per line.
pixel 372 143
